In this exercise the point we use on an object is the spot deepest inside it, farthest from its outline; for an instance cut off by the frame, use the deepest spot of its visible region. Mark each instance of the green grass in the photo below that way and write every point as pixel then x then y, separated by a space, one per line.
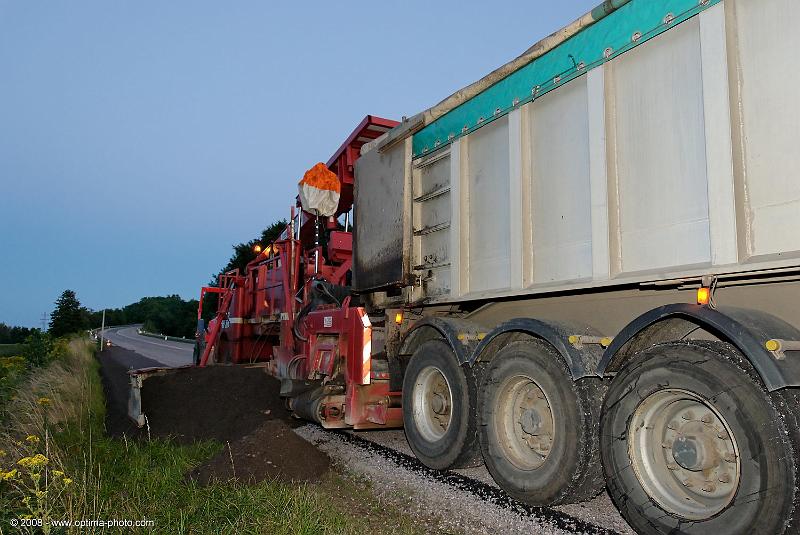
pixel 10 350
pixel 146 480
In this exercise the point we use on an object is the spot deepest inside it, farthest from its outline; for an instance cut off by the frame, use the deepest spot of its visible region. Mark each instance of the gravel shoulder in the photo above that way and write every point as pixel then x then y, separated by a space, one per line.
pixel 469 499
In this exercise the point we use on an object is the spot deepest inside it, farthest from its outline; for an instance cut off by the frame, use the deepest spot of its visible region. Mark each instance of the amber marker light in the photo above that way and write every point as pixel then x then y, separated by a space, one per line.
pixel 257 249
pixel 703 295
pixel 398 318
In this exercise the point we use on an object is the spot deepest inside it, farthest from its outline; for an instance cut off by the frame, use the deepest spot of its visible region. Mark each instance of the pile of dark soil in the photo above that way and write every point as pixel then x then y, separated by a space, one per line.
pixel 222 403
pixel 273 451
pixel 235 405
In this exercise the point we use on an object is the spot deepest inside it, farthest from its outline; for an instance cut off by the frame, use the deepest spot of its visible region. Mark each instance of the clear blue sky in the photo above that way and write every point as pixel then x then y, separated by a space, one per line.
pixel 140 140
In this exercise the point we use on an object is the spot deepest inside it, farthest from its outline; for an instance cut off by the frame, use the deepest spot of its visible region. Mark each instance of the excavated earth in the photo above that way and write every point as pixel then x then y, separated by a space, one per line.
pixel 236 406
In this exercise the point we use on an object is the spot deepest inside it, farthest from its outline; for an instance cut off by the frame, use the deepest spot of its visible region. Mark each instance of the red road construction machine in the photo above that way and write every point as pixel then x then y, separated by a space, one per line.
pixel 583 269
pixel 293 309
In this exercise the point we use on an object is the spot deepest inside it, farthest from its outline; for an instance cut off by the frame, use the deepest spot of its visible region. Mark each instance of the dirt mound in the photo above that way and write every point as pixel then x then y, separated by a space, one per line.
pixel 237 406
pixel 222 403
pixel 273 451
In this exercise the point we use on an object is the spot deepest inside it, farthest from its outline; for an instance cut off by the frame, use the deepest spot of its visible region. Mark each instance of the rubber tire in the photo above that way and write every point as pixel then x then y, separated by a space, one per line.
pixel 763 424
pixel 458 447
pixel 571 472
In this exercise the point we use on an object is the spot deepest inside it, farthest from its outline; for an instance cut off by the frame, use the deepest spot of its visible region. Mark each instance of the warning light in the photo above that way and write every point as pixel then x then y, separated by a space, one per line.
pixel 773 345
pixel 398 318
pixel 703 295
pixel 257 248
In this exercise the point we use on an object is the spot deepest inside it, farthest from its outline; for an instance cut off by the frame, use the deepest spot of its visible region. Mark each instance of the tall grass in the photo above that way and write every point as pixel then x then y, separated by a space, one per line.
pixel 126 479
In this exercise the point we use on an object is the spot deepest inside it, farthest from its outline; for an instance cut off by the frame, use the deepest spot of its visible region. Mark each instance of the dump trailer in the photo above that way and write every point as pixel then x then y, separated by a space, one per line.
pixel 587 266
pixel 582 270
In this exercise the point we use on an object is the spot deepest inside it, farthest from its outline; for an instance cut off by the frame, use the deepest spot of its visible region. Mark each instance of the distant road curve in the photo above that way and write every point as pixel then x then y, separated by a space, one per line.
pixel 166 352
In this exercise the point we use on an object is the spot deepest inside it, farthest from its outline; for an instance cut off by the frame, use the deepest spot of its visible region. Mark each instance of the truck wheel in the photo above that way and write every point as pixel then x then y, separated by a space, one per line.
pixel 538 427
pixel 692 443
pixel 439 400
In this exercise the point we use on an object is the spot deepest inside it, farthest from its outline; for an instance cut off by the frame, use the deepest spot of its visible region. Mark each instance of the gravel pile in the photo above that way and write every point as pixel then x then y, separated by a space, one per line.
pixel 465 501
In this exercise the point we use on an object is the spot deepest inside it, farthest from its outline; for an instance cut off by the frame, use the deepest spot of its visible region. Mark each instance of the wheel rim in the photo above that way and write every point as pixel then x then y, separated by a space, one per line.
pixel 432 403
pixel 684 454
pixel 524 424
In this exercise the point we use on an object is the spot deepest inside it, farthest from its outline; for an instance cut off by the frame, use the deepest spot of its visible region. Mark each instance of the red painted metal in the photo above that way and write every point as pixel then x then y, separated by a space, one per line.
pixel 278 310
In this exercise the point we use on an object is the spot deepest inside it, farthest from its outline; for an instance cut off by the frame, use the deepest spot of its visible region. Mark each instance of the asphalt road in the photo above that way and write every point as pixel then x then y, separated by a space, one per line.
pixel 165 352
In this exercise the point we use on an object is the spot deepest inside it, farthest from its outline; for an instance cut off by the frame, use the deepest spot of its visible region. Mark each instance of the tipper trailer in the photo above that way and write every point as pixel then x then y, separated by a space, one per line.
pixel 583 269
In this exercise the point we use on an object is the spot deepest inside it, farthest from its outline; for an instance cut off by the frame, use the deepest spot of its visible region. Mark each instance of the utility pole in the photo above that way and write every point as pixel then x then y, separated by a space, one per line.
pixel 102 329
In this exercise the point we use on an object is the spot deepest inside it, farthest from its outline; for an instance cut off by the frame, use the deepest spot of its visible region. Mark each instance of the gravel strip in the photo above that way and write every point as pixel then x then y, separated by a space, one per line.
pixel 463 501
pixel 600 511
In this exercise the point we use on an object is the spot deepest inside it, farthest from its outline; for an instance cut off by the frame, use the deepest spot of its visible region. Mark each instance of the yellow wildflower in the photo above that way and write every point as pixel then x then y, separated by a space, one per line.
pixel 40 493
pixel 32 438
pixel 43 401
pixel 36 461
pixel 58 473
pixel 6 476
pixel 67 481
pixel 2 453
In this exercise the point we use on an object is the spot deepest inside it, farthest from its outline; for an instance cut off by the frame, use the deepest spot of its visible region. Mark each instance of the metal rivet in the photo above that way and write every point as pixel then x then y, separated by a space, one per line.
pixel 465 129
pixel 480 120
pixel 515 102
pixel 608 52
pixel 437 143
pixel 636 36
pixel 669 18
pixel 556 79
pixel 497 111
pixel 451 135
pixel 581 65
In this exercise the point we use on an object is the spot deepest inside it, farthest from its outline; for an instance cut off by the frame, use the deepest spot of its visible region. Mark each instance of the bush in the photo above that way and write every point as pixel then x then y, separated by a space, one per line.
pixel 37 349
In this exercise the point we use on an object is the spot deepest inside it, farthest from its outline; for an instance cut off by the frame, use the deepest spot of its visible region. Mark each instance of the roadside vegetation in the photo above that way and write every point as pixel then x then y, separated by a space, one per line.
pixel 56 463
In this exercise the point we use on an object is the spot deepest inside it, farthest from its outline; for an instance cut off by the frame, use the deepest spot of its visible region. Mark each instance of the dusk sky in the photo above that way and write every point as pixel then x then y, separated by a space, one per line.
pixel 140 140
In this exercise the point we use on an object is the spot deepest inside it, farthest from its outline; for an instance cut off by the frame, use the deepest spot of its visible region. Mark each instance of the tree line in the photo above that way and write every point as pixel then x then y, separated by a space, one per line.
pixel 14 335
pixel 170 315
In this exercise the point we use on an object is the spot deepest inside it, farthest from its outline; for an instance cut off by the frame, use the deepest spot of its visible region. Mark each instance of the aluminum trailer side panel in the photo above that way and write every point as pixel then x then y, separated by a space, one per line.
pixel 668 157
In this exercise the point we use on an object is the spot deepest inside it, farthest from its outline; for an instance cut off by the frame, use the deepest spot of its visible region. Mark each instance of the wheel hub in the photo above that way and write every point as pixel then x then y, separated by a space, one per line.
pixel 525 422
pixel 696 449
pixel 530 421
pixel 432 400
pixel 684 454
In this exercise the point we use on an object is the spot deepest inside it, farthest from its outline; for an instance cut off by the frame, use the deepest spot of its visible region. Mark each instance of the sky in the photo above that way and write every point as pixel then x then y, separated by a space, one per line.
pixel 140 140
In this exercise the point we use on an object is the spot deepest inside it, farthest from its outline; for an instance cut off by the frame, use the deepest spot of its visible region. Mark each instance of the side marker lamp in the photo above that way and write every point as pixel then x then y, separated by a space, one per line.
pixel 703 295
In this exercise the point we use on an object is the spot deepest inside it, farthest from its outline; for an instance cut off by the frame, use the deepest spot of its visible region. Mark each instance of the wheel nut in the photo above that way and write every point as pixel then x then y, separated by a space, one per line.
pixel 725 478
pixel 688 415
pixel 729 458
pixel 672 466
pixel 706 419
pixel 709 487
pixel 673 425
pixel 687 483
pixel 723 435
pixel 666 446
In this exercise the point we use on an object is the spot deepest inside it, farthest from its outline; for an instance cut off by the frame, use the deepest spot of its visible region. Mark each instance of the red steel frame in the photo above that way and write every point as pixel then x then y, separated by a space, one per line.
pixel 258 316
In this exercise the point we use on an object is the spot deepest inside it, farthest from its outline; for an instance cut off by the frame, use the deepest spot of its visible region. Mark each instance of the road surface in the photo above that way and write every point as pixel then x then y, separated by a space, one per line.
pixel 165 352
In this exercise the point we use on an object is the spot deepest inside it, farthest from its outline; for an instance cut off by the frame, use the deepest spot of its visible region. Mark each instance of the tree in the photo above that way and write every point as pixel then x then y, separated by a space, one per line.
pixel 67 318
pixel 243 254
pixel 13 335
